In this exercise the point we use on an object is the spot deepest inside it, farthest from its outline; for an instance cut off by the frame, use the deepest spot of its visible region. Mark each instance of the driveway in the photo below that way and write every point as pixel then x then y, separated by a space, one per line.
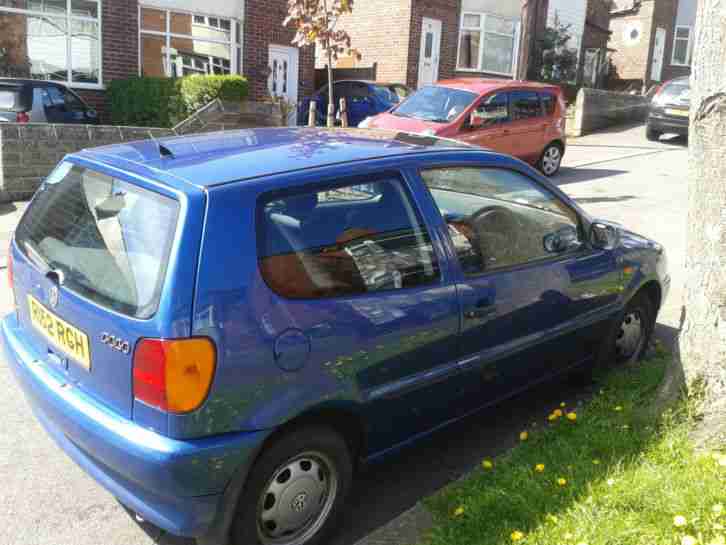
pixel 46 500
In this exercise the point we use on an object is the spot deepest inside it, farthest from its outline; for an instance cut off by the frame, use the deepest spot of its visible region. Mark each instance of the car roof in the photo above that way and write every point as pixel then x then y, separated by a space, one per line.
pixel 485 85
pixel 207 160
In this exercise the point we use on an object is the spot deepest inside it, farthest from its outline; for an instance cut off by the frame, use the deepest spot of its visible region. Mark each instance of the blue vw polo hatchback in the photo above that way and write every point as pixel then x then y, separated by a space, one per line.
pixel 219 328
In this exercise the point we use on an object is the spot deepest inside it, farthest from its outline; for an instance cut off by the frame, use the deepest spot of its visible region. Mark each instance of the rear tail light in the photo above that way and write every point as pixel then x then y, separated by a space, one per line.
pixel 174 375
pixel 22 117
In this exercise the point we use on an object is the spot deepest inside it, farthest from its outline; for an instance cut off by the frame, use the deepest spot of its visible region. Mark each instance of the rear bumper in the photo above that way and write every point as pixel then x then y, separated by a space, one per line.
pixel 176 485
pixel 662 123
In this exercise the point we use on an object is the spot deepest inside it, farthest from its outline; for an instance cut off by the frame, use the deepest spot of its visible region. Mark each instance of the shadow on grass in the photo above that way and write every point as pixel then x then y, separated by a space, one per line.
pixel 610 433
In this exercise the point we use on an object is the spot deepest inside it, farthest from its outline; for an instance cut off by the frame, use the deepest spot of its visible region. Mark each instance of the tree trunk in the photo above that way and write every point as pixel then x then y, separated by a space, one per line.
pixel 703 335
pixel 330 119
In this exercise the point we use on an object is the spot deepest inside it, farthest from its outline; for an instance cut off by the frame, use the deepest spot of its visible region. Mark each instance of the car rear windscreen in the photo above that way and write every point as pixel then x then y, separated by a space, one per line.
pixel 677 90
pixel 109 240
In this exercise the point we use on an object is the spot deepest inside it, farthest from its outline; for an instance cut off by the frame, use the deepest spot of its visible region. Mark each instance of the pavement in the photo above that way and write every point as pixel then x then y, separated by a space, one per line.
pixel 46 500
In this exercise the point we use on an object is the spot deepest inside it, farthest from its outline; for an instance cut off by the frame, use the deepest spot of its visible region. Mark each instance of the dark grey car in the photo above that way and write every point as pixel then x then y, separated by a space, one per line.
pixel 33 101
pixel 669 109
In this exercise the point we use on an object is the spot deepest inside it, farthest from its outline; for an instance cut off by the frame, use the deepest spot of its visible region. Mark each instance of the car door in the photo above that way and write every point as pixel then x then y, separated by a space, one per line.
pixel 530 308
pixel 351 266
pixel 494 128
pixel 62 106
pixel 528 125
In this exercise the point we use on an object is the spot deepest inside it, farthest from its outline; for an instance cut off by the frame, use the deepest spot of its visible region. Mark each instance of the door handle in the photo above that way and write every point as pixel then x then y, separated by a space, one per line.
pixel 506 132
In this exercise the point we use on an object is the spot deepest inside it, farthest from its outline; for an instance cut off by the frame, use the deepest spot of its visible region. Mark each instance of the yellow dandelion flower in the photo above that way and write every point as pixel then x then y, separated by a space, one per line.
pixel 517 535
pixel 557 413
pixel 539 468
pixel 563 404
pixel 717 509
pixel 688 540
pixel 487 464
pixel 562 481
pixel 523 436
pixel 596 462
pixel 552 417
pixel 679 521
pixel 572 417
pixel 618 409
pixel 459 511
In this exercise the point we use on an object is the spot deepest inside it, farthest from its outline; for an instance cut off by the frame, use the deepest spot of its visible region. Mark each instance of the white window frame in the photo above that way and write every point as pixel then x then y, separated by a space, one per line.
pixel 482 33
pixel 689 47
pixel 69 17
pixel 235 42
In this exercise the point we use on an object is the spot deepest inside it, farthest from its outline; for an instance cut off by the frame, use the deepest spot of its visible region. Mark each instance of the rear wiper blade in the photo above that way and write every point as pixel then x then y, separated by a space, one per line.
pixel 41 263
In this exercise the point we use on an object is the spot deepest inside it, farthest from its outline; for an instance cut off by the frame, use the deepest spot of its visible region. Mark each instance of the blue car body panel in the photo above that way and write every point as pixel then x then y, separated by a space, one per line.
pixel 399 363
pixel 374 104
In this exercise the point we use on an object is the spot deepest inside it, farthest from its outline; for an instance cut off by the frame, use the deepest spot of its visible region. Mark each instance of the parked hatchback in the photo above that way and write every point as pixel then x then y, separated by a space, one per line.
pixel 34 101
pixel 669 109
pixel 363 99
pixel 523 119
pixel 220 329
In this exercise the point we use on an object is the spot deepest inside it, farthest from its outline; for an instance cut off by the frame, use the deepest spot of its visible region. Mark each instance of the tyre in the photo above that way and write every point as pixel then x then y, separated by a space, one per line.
pixel 651 134
pixel 296 490
pixel 551 160
pixel 631 332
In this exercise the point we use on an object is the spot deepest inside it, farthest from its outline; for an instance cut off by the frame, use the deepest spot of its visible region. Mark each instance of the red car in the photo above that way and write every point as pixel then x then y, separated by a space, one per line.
pixel 521 118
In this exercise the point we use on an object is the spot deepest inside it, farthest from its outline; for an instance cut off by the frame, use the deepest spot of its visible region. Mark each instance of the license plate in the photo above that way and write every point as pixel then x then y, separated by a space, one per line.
pixel 678 113
pixel 60 333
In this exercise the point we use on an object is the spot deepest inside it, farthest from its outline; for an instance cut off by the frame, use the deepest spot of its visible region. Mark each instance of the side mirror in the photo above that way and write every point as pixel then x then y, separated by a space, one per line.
pixel 563 240
pixel 604 236
pixel 91 113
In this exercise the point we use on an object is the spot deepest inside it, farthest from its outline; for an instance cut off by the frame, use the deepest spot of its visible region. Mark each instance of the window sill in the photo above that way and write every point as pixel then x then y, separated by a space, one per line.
pixel 679 65
pixel 85 86
pixel 477 71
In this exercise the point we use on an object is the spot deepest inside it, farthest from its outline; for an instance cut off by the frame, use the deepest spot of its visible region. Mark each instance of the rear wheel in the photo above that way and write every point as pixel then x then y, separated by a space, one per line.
pixel 651 134
pixel 551 159
pixel 296 490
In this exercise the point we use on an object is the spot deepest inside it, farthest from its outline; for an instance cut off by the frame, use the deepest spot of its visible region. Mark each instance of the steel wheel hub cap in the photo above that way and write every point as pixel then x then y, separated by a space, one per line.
pixel 297 500
pixel 630 336
pixel 551 160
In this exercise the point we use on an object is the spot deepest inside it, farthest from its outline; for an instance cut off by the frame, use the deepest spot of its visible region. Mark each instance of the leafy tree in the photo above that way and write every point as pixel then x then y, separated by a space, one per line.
pixel 314 22
pixel 559 62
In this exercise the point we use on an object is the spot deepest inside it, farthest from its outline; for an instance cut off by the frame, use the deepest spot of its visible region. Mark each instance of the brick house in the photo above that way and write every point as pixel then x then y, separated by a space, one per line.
pixel 89 43
pixel 652 41
pixel 418 42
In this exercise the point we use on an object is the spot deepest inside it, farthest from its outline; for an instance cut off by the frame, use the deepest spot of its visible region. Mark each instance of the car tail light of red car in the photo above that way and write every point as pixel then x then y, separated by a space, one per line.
pixel 22 117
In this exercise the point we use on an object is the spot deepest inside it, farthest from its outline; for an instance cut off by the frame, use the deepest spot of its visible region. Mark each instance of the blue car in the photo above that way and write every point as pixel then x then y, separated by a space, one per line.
pixel 222 329
pixel 363 99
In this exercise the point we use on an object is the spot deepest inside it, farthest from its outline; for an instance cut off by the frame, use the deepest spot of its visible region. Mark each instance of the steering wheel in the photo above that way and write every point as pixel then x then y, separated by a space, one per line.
pixel 498 236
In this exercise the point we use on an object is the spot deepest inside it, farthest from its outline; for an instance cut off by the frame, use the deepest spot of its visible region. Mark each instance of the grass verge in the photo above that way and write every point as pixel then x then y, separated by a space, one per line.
pixel 602 475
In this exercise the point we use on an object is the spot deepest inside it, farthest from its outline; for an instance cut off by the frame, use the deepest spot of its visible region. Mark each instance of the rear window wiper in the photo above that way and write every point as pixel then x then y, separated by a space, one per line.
pixel 46 269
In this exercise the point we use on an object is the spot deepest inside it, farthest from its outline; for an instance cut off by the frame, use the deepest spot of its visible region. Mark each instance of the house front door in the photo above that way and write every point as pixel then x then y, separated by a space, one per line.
pixel 656 73
pixel 428 69
pixel 282 82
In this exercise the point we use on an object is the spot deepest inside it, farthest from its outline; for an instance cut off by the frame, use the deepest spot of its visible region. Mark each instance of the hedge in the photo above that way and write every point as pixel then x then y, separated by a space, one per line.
pixel 163 102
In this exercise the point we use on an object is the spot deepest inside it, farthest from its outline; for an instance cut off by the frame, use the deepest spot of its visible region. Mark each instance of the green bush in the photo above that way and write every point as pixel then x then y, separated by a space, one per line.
pixel 198 91
pixel 163 102
pixel 145 102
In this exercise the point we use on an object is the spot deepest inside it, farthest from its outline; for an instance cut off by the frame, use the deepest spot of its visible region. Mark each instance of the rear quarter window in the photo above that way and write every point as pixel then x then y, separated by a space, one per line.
pixel 9 99
pixel 109 239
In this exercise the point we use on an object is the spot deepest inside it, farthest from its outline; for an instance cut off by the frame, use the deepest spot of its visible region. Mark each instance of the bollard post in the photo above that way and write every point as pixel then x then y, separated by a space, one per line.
pixel 331 115
pixel 343 113
pixel 313 114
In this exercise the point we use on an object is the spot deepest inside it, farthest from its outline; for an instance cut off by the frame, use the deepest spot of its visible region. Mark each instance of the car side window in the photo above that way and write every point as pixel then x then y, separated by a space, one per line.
pixel 493 110
pixel 548 103
pixel 525 105
pixel 72 102
pixel 345 240
pixel 56 96
pixel 498 218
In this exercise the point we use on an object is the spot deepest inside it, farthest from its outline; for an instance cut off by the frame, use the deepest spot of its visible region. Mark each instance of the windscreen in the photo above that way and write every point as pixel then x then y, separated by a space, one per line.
pixel 108 240
pixel 436 104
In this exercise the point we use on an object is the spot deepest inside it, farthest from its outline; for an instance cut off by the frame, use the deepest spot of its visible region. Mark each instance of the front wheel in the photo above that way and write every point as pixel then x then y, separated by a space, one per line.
pixel 296 490
pixel 631 333
pixel 551 160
